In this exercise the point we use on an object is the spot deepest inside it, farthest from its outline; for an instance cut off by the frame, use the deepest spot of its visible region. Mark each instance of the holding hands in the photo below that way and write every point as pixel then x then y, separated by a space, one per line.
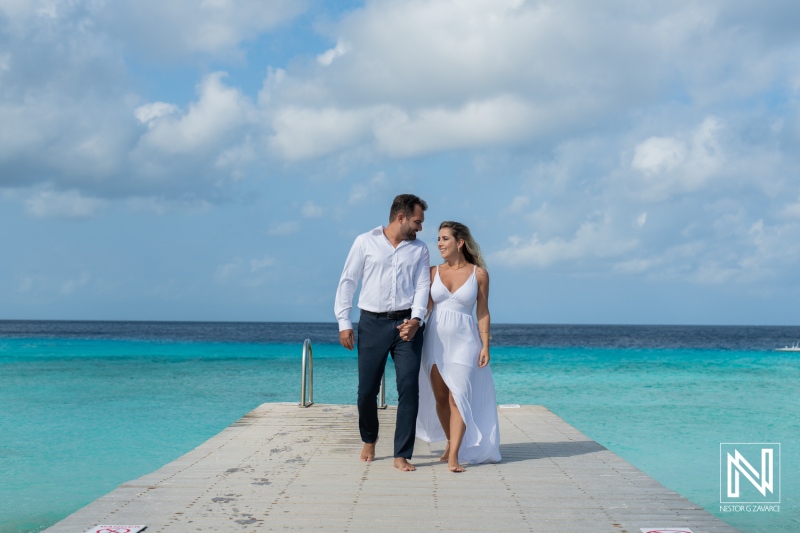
pixel 408 329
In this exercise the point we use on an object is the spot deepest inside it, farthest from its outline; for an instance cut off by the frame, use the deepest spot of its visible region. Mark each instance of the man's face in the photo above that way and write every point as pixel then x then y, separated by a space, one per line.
pixel 409 226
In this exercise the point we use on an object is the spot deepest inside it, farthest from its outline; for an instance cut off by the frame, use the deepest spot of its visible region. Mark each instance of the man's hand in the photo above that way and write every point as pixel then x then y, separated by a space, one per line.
pixel 346 338
pixel 408 329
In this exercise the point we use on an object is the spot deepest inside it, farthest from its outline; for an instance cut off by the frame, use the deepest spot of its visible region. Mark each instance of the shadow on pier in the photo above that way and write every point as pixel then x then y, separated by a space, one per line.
pixel 526 451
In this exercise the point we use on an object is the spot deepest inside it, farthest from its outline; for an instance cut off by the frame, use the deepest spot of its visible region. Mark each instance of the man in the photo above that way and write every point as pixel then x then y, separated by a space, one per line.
pixel 394 268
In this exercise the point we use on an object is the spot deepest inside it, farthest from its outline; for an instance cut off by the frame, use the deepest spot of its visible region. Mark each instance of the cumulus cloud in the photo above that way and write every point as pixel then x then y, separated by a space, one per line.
pixel 329 55
pixel 312 210
pixel 283 229
pixel 71 285
pixel 258 264
pixel 593 239
pixel 676 121
pixel 68 115
pixel 519 203
pixel 474 124
pixel 62 204
pixel 148 113
pixel 180 28
pixel 160 205
pixel 657 155
pixel 361 192
pixel 665 166
pixel 699 204
pixel 303 133
pixel 218 111
pixel 252 273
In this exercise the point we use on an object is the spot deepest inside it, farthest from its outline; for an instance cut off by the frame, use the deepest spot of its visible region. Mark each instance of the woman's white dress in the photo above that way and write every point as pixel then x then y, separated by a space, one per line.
pixel 453 344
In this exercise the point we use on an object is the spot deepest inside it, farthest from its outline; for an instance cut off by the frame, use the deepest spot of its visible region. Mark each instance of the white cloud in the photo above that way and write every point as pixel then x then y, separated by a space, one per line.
pixel 647 115
pixel 147 113
pixel 258 264
pixel 593 239
pixel 303 133
pixel 180 28
pixel 791 210
pixel 161 205
pixel 635 266
pixel 218 111
pixel 230 270
pixel 327 58
pixel 657 155
pixel 284 228
pixel 672 165
pixel 367 191
pixel 72 285
pixel 252 273
pixel 519 203
pixel 62 204
pixel 312 210
pixel 479 123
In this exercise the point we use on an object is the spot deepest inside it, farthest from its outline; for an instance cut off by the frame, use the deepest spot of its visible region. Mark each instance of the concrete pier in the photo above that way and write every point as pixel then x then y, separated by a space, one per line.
pixel 282 467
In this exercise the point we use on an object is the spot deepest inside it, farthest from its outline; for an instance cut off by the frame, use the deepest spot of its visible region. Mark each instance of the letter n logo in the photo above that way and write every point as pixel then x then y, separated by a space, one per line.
pixel 748 472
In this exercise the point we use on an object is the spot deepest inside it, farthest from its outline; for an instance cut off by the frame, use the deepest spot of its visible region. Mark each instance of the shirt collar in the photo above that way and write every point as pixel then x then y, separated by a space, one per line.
pixel 378 232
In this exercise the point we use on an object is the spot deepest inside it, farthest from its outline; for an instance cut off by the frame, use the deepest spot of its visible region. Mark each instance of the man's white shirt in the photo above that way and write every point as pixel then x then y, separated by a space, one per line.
pixel 392 279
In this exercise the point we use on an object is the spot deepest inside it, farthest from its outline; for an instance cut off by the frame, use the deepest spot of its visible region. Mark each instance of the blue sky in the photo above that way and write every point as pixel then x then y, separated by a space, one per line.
pixel 619 162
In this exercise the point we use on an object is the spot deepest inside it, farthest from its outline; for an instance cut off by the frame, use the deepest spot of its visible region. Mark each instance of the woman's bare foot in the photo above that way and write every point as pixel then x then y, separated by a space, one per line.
pixel 403 465
pixel 455 466
pixel 368 452
pixel 446 455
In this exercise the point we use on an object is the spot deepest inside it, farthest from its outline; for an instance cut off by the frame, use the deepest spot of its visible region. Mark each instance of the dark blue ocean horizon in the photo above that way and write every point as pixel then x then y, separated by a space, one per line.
pixel 622 336
pixel 87 405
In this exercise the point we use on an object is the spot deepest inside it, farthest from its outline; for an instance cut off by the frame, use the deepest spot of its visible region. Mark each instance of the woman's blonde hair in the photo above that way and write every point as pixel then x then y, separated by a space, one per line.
pixel 472 252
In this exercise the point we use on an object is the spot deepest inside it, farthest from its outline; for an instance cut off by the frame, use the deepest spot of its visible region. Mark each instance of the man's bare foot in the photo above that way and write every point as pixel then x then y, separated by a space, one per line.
pixel 368 452
pixel 403 465
pixel 446 455
pixel 455 466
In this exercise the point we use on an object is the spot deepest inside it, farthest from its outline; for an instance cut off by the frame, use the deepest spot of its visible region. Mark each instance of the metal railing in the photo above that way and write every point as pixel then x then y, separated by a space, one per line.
pixel 382 393
pixel 307 371
pixel 307 377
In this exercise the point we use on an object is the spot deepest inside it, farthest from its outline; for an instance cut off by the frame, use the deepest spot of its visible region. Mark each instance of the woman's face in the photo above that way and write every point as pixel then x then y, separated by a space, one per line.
pixel 448 246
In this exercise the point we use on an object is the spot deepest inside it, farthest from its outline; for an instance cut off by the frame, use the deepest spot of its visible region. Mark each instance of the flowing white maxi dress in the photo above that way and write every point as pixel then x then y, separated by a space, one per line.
pixel 453 344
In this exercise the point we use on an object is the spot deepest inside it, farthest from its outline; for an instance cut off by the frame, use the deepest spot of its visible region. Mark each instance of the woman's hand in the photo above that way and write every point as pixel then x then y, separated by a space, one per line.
pixel 483 358
pixel 408 329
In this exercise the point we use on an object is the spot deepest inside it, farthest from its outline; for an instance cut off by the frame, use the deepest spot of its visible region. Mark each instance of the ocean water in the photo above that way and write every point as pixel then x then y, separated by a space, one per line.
pixel 85 406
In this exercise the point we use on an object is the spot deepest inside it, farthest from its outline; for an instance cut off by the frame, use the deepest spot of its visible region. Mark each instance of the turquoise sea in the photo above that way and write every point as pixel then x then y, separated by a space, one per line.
pixel 85 406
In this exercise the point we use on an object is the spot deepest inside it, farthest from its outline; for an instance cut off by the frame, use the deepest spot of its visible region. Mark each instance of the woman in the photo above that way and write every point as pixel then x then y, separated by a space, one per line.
pixel 457 396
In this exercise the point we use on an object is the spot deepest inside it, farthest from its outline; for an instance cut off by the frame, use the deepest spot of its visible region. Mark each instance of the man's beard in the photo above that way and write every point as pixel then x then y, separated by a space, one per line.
pixel 408 233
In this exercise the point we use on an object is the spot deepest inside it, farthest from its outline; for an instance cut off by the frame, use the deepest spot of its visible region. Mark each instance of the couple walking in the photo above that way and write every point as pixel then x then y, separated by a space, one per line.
pixel 423 317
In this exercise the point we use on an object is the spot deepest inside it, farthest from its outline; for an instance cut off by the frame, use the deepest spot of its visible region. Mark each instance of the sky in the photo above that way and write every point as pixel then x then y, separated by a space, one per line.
pixel 619 162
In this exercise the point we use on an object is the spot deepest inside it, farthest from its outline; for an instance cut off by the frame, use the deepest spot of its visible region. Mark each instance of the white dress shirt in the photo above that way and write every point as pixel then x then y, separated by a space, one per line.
pixel 392 279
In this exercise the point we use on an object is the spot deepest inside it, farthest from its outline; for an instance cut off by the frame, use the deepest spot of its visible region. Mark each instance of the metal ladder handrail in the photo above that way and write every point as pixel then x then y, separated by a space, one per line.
pixel 382 393
pixel 308 369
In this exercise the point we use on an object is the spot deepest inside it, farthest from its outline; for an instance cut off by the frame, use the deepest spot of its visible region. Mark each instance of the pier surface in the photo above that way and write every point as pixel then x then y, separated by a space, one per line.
pixel 282 467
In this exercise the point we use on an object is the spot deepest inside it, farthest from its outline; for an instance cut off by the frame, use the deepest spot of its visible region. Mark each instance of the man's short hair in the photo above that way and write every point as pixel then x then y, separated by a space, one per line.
pixel 406 203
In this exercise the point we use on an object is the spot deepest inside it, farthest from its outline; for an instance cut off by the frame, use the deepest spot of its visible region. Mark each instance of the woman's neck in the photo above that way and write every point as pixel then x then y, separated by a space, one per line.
pixel 456 263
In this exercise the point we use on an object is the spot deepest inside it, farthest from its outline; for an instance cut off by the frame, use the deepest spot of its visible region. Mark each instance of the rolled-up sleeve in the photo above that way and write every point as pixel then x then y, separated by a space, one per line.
pixel 423 286
pixel 353 269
